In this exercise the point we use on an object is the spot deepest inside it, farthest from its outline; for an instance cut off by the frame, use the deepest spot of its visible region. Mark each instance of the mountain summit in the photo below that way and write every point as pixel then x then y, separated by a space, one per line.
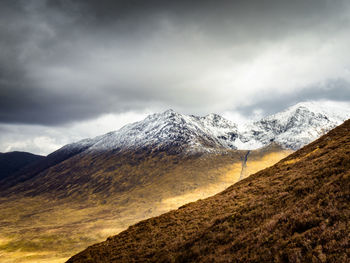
pixel 170 130
pixel 296 126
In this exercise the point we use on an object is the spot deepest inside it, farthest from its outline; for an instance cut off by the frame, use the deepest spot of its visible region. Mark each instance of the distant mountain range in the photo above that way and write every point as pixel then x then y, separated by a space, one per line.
pixel 291 129
pixel 176 133
pixel 146 168
pixel 12 162
pixel 295 211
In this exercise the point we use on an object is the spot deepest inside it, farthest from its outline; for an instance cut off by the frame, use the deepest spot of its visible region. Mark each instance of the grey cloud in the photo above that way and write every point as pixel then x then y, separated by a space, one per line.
pixel 335 90
pixel 63 61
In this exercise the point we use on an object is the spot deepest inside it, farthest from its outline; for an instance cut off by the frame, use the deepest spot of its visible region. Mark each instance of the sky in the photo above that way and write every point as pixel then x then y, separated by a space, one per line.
pixel 71 69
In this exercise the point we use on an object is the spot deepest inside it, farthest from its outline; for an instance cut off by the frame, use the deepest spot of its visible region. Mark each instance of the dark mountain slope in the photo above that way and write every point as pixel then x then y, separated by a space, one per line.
pixel 295 211
pixel 33 169
pixel 12 162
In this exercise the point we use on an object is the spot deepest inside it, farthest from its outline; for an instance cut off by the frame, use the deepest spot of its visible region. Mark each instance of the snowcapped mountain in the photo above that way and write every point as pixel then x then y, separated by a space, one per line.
pixel 169 130
pixel 295 127
pixel 292 129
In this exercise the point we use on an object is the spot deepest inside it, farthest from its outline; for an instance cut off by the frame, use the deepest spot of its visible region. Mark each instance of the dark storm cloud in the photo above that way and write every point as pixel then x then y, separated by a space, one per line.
pixel 225 22
pixel 62 61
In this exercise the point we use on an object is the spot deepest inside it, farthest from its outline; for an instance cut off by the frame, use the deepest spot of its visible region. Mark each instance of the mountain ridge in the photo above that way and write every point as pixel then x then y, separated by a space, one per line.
pixel 304 121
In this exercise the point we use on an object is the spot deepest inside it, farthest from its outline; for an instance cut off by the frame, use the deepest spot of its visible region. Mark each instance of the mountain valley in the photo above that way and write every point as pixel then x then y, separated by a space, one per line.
pixel 91 189
pixel 295 211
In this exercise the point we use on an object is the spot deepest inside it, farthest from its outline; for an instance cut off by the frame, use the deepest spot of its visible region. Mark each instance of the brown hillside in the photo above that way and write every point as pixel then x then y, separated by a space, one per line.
pixel 296 211
pixel 85 198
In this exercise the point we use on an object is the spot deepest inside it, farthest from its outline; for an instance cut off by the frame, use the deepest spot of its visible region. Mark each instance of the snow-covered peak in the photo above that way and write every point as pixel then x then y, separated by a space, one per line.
pixel 169 130
pixel 296 126
pixel 333 111
pixel 166 115
pixel 330 108
pixel 215 120
pixel 292 128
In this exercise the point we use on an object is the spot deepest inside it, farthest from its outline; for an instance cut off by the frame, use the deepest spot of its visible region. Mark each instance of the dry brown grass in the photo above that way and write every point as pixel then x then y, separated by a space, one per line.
pixel 85 199
pixel 296 211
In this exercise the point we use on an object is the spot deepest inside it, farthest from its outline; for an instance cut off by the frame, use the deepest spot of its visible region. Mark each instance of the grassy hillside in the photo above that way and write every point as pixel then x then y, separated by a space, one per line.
pixel 85 198
pixel 295 211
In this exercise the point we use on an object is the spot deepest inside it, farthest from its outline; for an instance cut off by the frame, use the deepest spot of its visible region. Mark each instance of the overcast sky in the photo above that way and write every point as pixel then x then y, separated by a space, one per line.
pixel 74 69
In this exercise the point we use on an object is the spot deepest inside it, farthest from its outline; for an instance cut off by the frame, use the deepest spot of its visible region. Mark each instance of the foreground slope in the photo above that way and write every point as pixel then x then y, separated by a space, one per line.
pixel 295 211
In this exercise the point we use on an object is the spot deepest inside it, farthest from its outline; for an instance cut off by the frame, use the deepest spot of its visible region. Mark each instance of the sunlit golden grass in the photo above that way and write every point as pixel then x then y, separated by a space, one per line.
pixel 265 161
pixel 229 174
pixel 295 160
pixel 44 228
